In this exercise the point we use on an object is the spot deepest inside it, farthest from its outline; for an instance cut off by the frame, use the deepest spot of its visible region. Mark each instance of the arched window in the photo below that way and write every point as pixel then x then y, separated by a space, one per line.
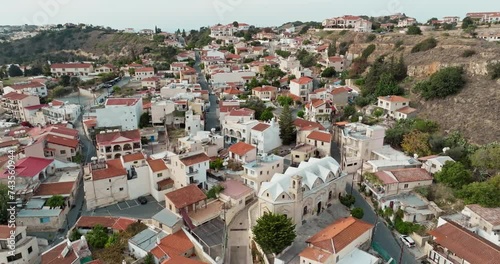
pixel 304 211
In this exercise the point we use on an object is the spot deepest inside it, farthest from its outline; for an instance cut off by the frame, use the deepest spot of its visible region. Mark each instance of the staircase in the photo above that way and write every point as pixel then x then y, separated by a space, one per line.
pixel 186 218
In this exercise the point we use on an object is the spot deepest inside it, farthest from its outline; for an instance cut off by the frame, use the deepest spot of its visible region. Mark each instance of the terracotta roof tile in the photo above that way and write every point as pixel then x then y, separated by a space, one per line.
pixel 157 165
pixel 320 136
pixel 195 159
pixel 122 223
pixel 62 141
pixel 261 127
pixel 114 169
pixel 340 90
pixel 406 110
pixel 394 98
pixel 5 231
pixel 20 86
pixel 54 255
pixel 15 96
pixel 29 167
pixel 241 148
pixel 133 157
pixel 56 188
pixel 173 245
pixel 108 138
pixel 303 124
pixel 122 101
pixel 340 234
pixel 265 89
pixel 315 254
pixel 411 175
pixel 186 196
pixel 242 112
pixel 145 69
pixel 70 65
pixel 165 183
pixel 466 244
pixel 302 80
pixel 9 143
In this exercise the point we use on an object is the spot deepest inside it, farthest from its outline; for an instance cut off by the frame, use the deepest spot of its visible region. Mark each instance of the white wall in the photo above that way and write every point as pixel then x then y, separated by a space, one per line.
pixel 139 186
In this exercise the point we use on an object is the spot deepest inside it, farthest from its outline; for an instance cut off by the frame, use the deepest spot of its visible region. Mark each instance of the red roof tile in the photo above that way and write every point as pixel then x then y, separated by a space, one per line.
pixel 406 110
pixel 5 231
pixel 173 245
pixel 114 169
pixel 70 65
pixel 29 167
pixel 56 188
pixel 261 127
pixel 320 136
pixel 195 159
pixel 465 244
pixel 265 89
pixel 307 125
pixel 122 223
pixel 411 175
pixel 124 136
pixel 54 255
pixel 35 107
pixel 242 112
pixel 145 69
pixel 394 98
pixel 157 165
pixel 241 148
pixel 186 196
pixel 122 101
pixel 165 183
pixel 232 91
pixel 133 157
pixel 302 80
pixel 62 141
pixel 340 90
pixel 9 143
pixel 20 86
pixel 15 96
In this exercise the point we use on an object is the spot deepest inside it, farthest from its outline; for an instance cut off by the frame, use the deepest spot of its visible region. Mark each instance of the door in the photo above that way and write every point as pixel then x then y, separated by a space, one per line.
pixel 319 208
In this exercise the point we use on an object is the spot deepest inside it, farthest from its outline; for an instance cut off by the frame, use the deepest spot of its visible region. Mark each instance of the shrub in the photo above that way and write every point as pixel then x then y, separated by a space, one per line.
pixel 414 30
pixel 494 70
pixel 425 45
pixel 398 44
pixel 347 200
pixel 468 53
pixel 368 51
pixel 214 191
pixel 445 82
pixel 357 212
pixel 371 37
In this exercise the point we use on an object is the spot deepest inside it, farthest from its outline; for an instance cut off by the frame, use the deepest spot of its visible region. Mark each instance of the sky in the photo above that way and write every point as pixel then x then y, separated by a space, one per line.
pixel 170 15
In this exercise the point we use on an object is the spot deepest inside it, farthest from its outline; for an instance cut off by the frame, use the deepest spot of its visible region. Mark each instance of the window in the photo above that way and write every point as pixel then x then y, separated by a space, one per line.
pixel 63 152
pixel 260 172
pixel 121 189
pixel 160 175
pixel 170 207
pixel 283 196
pixel 277 166
pixel 30 249
pixel 44 220
pixel 72 151
pixel 109 180
pixel 14 258
pixel 406 186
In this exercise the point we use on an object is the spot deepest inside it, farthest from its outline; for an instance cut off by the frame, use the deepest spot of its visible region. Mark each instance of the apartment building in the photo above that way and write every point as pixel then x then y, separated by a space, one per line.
pixel 114 144
pixel 30 88
pixel 237 125
pixel 16 103
pixel 265 136
pixel 71 69
pixel 301 87
pixel 189 168
pixel 265 93
pixel 120 112
pixel 349 22
pixel 57 111
pixel 262 170
pixel 144 72
pixel 25 248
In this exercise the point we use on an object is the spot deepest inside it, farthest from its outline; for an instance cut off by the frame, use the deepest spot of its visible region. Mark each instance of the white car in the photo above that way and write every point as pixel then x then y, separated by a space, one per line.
pixel 408 241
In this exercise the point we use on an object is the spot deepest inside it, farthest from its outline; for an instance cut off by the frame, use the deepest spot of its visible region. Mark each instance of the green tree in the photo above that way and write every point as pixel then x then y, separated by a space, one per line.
pixel 414 30
pixel 357 212
pixel 347 200
pixel 368 51
pixel 75 235
pixel 387 85
pixel 144 120
pixel 284 100
pixel 55 201
pixel 217 164
pixel 348 111
pixel 425 45
pixel 467 22
pixel 283 53
pixel 487 159
pixel 255 104
pixel 301 114
pixel 74 82
pixel 64 80
pixel 328 72
pixel 214 191
pixel 274 232
pixel 266 115
pixel 112 240
pixel 4 204
pixel 236 24
pixel 445 82
pixel 15 71
pixel 97 237
pixel 332 49
pixel 131 71
pixel 454 175
pixel 149 259
pixel 485 193
pixel 287 129
pixel 416 142
pixel 378 112
pixel 117 89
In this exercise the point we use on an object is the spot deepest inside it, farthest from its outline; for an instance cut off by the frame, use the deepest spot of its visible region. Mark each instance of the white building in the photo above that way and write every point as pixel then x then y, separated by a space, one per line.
pixel 30 88
pixel 434 164
pixel 25 248
pixel 265 136
pixel 235 77
pixel 193 123
pixel 209 142
pixel 71 69
pixel 262 170
pixel 354 23
pixel 237 125
pixel 396 106
pixel 483 221
pixel 301 87
pixel 57 112
pixel 120 112
pixel 189 168
pixel 304 192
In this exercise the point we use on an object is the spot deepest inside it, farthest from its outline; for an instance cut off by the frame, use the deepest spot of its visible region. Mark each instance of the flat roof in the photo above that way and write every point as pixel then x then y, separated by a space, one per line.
pixel 35 204
pixel 166 217
pixel 358 256
pixel 39 213
pixel 146 240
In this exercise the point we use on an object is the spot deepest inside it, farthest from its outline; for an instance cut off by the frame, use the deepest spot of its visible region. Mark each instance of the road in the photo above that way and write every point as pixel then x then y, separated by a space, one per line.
pixel 383 236
pixel 211 120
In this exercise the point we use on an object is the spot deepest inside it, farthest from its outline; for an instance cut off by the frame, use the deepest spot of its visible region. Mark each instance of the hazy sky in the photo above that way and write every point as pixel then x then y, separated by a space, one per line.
pixel 172 14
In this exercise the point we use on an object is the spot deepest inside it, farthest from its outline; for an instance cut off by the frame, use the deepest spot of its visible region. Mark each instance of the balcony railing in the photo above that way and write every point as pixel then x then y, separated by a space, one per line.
pixel 191 172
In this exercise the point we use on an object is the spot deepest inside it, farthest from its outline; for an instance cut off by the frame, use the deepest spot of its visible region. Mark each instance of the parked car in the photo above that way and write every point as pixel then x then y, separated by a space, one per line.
pixel 408 241
pixel 142 200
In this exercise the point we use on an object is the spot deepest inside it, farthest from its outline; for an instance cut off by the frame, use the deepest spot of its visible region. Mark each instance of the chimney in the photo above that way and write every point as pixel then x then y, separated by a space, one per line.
pixel 158 242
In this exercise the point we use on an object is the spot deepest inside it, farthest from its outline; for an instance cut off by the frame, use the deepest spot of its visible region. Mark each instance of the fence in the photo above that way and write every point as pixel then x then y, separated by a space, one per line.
pixel 383 253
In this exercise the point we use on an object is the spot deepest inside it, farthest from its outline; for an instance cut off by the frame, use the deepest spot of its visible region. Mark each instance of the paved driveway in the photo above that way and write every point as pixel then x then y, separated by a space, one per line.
pixel 130 208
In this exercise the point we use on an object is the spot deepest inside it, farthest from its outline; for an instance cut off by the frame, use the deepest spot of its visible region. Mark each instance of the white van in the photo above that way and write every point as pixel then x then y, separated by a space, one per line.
pixel 408 241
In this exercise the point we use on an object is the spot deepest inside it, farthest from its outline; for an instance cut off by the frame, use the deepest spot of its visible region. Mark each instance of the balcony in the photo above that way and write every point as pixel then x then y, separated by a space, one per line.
pixel 191 172
pixel 193 181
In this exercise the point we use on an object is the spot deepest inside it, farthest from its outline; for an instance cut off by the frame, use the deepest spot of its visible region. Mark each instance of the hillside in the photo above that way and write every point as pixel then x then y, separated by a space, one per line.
pixel 475 110
pixel 73 43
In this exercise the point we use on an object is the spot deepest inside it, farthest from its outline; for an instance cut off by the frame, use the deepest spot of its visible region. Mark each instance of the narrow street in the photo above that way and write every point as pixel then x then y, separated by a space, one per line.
pixel 211 120
pixel 238 249
pixel 383 236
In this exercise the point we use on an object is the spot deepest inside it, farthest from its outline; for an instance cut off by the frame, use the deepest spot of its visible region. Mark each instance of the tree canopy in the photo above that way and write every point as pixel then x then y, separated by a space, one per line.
pixel 328 72
pixel 485 193
pixel 55 201
pixel 416 142
pixel 4 204
pixel 454 175
pixel 97 237
pixel 274 232
pixel 357 212
pixel 445 82
pixel 426 44
pixel 414 30
pixel 15 71
pixel 487 159
pixel 467 22
pixel 287 129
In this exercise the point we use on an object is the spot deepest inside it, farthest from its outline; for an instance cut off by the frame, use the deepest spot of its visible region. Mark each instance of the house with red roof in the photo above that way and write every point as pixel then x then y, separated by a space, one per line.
pixel 230 93
pixel 24 247
pixel 15 103
pixel 301 87
pixel 34 88
pixel 265 93
pixel 304 127
pixel 71 69
pixel 30 171
pixel 265 136
pixel 341 242
pixel 151 82
pixel 322 140
pixel 113 145
pixel 144 72
pixel 68 252
pixel 120 112
pixel 319 110
pixel 52 146
pixel 242 152
pixel 392 182
pixel 396 106
pixel 348 22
